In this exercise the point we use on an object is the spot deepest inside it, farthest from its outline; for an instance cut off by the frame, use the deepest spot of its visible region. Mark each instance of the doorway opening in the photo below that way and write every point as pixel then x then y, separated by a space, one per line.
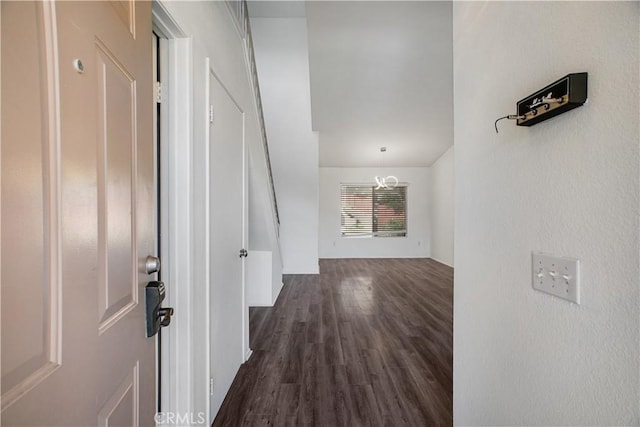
pixel 172 119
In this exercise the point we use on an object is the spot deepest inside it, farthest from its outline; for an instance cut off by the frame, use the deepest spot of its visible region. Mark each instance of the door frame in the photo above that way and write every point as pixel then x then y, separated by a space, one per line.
pixel 175 183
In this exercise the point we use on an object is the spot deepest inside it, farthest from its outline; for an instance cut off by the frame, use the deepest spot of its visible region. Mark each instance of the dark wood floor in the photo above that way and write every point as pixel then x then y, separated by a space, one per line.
pixel 365 342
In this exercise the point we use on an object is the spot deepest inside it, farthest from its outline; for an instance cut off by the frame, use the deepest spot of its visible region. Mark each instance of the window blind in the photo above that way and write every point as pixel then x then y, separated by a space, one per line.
pixel 367 211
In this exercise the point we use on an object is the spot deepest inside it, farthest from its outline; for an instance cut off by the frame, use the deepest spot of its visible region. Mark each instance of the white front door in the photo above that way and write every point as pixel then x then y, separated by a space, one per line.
pixel 227 310
pixel 77 213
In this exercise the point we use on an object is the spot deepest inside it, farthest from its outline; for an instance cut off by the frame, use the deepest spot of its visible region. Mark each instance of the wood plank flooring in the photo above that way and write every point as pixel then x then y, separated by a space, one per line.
pixel 365 342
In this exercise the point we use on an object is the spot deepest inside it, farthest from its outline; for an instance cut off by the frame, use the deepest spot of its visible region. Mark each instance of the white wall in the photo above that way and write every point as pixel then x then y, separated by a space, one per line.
pixel 259 283
pixel 567 186
pixel 210 33
pixel 263 235
pixel 414 245
pixel 442 208
pixel 264 279
pixel 283 68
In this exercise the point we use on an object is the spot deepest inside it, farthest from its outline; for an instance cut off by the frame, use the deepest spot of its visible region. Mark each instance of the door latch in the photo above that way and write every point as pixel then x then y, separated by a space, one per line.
pixel 156 316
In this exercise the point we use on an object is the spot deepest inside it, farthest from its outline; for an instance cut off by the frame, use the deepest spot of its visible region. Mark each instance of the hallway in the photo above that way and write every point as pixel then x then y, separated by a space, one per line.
pixel 365 342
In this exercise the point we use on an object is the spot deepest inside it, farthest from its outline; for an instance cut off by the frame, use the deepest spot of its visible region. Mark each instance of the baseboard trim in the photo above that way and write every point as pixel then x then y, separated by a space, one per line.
pixel 441 262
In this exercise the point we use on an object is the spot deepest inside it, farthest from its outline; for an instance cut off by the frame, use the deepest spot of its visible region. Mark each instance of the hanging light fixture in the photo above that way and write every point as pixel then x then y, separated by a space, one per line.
pixel 389 181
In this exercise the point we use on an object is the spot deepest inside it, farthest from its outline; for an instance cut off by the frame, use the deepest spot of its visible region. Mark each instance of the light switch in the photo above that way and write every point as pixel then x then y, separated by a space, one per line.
pixel 558 276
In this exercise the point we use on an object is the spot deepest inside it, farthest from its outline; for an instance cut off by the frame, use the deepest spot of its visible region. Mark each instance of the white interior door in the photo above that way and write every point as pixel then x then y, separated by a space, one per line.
pixel 226 142
pixel 77 213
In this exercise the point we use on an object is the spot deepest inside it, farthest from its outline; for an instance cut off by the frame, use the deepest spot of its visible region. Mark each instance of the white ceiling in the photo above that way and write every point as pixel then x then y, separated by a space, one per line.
pixel 381 75
pixel 276 9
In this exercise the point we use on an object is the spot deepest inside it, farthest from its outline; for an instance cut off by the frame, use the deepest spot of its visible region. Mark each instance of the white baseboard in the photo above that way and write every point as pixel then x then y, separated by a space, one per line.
pixel 441 262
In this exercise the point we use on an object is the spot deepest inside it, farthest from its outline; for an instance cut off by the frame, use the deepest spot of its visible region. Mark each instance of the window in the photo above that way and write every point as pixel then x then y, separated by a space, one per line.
pixel 367 211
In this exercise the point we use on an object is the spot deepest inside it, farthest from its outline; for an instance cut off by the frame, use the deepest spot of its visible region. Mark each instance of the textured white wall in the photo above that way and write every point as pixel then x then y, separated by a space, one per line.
pixel 567 186
pixel 442 208
pixel 414 245
pixel 283 67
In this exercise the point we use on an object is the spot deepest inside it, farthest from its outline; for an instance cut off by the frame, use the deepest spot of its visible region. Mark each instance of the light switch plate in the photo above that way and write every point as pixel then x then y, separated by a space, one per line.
pixel 558 276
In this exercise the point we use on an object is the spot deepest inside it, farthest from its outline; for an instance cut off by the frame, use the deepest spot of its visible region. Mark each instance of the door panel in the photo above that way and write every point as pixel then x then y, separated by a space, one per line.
pixel 29 206
pixel 116 172
pixel 126 11
pixel 77 171
pixel 226 143
pixel 121 409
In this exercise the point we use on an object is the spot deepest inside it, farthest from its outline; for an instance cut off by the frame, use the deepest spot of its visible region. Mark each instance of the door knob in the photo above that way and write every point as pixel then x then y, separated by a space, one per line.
pixel 243 253
pixel 152 264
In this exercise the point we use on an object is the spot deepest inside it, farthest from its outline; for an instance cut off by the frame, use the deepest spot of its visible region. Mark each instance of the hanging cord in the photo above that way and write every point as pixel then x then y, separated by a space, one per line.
pixel 510 117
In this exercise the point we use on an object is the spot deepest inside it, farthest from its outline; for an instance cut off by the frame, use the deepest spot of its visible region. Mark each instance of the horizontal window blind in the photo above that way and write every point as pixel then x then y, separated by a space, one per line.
pixel 389 211
pixel 357 210
pixel 367 211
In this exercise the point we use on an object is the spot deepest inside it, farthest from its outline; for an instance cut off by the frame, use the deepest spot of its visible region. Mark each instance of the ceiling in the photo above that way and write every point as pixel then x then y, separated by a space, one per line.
pixel 381 74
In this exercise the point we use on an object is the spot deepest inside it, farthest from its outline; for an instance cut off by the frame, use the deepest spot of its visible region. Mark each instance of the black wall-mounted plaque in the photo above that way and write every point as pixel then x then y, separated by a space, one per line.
pixel 562 95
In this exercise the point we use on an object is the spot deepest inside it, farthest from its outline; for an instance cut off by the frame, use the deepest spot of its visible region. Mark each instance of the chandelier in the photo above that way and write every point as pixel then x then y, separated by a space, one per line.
pixel 389 181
